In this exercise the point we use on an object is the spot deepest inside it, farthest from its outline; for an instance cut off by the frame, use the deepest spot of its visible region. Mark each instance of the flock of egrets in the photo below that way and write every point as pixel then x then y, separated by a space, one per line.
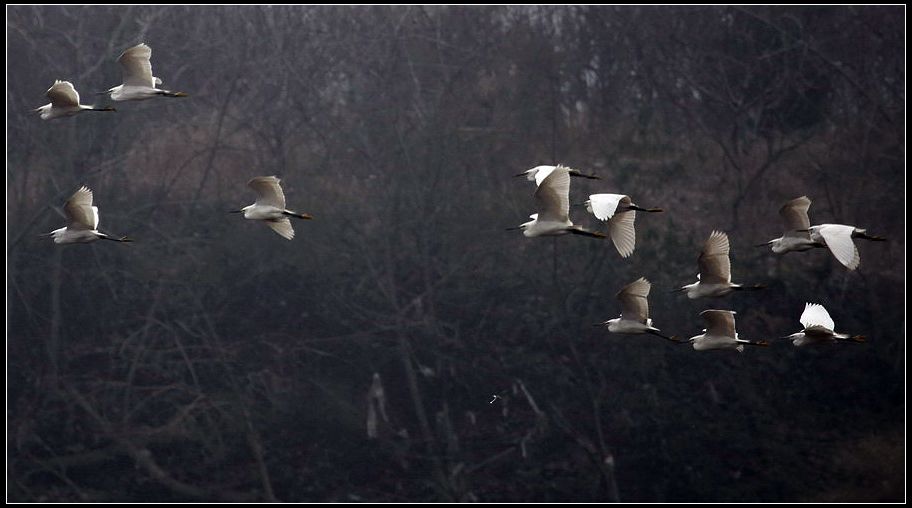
pixel 139 84
pixel 552 217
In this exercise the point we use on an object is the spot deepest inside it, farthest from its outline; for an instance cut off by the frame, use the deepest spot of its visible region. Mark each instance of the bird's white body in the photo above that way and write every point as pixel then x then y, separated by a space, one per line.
pixel 552 198
pixel 536 227
pixel 270 206
pixel 539 173
pixel 138 81
pixel 83 221
pixel 262 212
pixel 64 102
pixel 796 236
pixel 818 328
pixel 634 317
pixel 720 333
pixel 701 289
pixel 714 278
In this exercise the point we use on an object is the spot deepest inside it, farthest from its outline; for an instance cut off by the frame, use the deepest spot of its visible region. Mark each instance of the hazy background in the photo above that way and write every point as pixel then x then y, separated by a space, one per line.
pixel 214 360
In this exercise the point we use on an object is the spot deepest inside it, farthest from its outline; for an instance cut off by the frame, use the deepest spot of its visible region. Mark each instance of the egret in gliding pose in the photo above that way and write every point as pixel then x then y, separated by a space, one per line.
pixel 634 311
pixel 620 212
pixel 539 173
pixel 720 333
pixel 138 81
pixel 83 221
pixel 818 328
pixel 714 278
pixel 552 200
pixel 270 206
pixel 64 102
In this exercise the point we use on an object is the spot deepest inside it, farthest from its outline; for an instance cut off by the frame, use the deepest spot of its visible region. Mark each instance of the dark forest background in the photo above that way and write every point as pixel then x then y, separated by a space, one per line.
pixel 214 360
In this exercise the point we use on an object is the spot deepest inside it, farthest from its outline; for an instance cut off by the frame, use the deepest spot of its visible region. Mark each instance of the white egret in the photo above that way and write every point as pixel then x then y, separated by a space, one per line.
pixel 714 278
pixel 838 238
pixel 634 311
pixel 620 212
pixel 64 102
pixel 270 206
pixel 796 236
pixel 818 328
pixel 539 173
pixel 720 333
pixel 552 199
pixel 138 81
pixel 83 221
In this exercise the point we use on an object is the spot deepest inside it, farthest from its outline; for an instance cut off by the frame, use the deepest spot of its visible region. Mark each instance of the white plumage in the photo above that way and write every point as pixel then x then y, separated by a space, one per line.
pixel 270 206
pixel 138 81
pixel 64 102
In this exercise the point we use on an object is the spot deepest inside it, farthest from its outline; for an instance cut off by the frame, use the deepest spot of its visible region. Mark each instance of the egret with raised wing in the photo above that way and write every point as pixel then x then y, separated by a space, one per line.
pixel 83 221
pixel 819 328
pixel 634 311
pixel 714 278
pixel 138 81
pixel 720 333
pixel 270 206
pixel 796 236
pixel 64 102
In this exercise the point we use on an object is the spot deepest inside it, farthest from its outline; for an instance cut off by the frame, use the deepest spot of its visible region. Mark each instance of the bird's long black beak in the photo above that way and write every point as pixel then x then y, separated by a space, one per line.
pixel 763 244
pixel 513 228
pixel 235 211
pixel 520 174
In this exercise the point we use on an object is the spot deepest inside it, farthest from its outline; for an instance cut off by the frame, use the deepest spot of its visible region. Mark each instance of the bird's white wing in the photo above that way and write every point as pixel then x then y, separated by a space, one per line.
pixel 838 238
pixel 795 214
pixel 715 266
pixel 815 316
pixel 136 65
pixel 621 229
pixel 720 322
pixel 62 94
pixel 282 227
pixel 79 210
pixel 603 206
pixel 634 303
pixel 542 173
pixel 268 190
pixel 553 196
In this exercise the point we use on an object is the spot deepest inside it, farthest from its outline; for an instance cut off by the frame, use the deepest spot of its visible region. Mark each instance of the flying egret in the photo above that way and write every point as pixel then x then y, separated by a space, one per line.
pixel 83 221
pixel 796 236
pixel 838 238
pixel 64 102
pixel 720 333
pixel 539 173
pixel 620 212
pixel 818 328
pixel 552 199
pixel 270 206
pixel 138 81
pixel 634 311
pixel 714 278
